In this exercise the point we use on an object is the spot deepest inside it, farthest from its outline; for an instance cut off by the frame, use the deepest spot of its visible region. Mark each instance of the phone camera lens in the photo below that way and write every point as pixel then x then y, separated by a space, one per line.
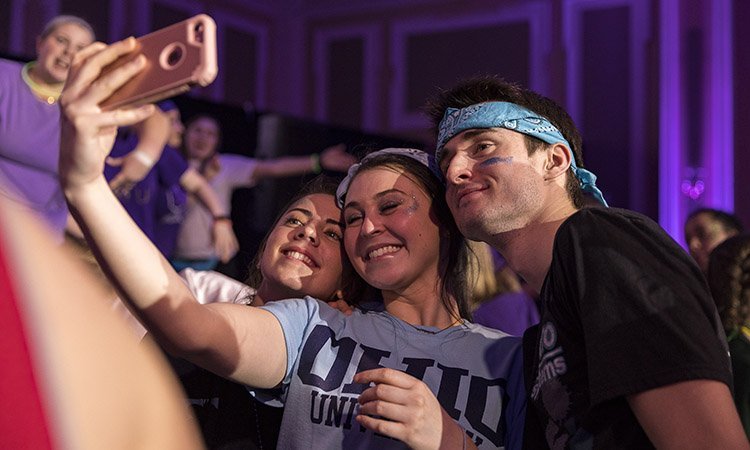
pixel 174 56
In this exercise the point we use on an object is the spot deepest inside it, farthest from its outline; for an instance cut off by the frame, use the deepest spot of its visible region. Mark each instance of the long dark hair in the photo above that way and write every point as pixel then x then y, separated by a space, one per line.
pixel 729 279
pixel 353 286
pixel 455 254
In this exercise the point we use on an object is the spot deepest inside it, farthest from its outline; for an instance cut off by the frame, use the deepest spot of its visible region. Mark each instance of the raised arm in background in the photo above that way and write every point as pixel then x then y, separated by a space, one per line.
pixel 224 239
pixel 153 134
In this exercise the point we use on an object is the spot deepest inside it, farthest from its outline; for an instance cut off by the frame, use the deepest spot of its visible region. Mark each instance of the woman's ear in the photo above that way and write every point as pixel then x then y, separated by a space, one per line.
pixel 558 161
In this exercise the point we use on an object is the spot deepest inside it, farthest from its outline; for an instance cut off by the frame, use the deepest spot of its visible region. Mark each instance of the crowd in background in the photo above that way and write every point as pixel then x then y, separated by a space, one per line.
pixel 395 319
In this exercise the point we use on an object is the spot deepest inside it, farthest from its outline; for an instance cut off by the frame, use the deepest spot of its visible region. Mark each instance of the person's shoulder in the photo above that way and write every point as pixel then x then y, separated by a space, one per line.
pixel 7 65
pixel 489 333
pixel 311 302
pixel 210 286
pixel 606 213
pixel 308 306
pixel 168 149
pixel 495 346
pixel 235 169
pixel 9 69
pixel 614 228
pixel 600 220
pixel 170 157
pixel 235 158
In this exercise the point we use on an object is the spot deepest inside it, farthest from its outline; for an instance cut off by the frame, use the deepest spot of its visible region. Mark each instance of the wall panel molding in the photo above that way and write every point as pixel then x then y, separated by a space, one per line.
pixel 716 158
pixel 670 107
pixel 26 23
pixel 16 31
pixel 143 20
pixel 638 26
pixel 372 58
pixel 259 31
pixel 536 15
pixel 720 88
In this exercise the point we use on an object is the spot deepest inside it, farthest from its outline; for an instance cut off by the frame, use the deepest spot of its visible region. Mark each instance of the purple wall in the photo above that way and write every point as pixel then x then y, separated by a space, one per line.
pixel 741 109
pixel 371 65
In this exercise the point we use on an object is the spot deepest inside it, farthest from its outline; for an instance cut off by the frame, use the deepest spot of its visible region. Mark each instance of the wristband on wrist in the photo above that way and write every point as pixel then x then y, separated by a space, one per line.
pixel 143 158
pixel 222 219
pixel 315 161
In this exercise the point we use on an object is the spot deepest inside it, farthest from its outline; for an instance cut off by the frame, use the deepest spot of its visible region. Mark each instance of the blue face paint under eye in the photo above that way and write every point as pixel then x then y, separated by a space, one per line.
pixel 496 160
pixel 516 118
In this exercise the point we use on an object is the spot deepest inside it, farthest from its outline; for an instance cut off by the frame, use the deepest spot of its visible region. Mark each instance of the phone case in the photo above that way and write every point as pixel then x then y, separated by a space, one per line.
pixel 177 57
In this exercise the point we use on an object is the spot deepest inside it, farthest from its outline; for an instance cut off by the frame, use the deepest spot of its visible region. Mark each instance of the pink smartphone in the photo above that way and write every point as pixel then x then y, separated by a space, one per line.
pixel 178 57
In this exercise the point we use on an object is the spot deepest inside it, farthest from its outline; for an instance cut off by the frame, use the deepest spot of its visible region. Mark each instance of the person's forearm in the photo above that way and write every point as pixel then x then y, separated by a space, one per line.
pixel 690 414
pixel 225 242
pixel 198 186
pixel 207 335
pixel 286 166
pixel 136 265
pixel 454 436
pixel 153 134
pixel 158 295
pixel 72 228
pixel 138 270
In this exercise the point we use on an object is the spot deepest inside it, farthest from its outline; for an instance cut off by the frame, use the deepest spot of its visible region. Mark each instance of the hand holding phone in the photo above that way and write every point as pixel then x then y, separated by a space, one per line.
pixel 178 57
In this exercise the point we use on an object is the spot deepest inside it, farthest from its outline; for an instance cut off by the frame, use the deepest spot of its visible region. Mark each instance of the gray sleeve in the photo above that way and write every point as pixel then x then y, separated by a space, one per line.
pixel 296 317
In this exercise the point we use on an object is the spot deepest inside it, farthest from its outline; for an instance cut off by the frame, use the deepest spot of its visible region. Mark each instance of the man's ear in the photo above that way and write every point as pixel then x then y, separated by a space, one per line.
pixel 558 161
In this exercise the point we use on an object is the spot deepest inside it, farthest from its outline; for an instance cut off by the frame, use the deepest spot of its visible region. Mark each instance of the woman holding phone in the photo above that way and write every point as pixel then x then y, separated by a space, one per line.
pixel 412 374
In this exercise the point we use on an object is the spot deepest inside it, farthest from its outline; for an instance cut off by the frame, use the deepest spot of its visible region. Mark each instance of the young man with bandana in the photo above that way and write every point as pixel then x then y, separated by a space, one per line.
pixel 629 352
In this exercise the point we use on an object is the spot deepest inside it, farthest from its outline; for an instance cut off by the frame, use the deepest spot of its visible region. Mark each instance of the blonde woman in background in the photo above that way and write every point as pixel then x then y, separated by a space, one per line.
pixel 499 300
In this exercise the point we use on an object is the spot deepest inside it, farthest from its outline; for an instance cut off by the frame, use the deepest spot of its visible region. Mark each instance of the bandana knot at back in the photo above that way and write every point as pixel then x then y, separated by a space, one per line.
pixel 516 118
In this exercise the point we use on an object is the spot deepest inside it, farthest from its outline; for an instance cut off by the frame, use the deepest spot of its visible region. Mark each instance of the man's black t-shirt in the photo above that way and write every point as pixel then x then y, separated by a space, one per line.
pixel 624 310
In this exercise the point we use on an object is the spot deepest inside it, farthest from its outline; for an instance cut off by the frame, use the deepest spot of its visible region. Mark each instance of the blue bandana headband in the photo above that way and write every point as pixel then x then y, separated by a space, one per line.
pixel 424 158
pixel 512 117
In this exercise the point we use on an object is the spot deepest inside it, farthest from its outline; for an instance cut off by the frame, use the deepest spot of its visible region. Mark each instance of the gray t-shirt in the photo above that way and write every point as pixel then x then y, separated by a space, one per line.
pixel 475 372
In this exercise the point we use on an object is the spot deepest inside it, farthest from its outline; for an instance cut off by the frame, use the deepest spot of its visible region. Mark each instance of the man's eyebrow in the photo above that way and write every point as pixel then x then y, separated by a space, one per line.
pixel 471 133
pixel 476 132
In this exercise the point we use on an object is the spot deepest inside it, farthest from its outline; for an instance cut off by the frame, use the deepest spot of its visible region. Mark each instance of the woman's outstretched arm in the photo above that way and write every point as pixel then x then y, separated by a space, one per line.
pixel 223 338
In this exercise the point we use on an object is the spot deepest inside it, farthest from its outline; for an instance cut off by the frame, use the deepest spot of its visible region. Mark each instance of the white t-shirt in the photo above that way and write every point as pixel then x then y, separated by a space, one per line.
pixel 195 239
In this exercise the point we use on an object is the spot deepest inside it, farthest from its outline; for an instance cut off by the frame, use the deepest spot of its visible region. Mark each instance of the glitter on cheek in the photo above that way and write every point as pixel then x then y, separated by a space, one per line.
pixel 496 160
pixel 411 209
